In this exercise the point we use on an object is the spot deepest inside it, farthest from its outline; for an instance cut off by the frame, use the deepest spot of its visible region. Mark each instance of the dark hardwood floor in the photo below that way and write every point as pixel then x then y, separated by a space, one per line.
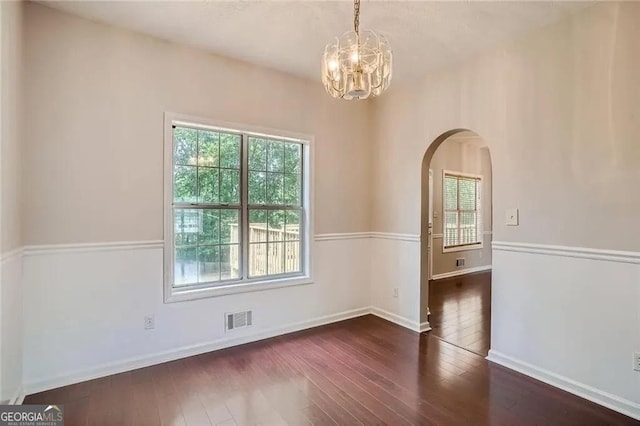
pixel 360 371
pixel 461 311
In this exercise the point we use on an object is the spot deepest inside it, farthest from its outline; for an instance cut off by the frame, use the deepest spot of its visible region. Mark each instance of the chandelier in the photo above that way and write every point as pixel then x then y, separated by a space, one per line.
pixel 358 64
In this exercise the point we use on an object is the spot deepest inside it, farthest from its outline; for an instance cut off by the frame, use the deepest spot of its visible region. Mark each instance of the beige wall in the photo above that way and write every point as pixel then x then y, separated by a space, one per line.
pixel 558 110
pixel 11 287
pixel 464 153
pixel 96 98
pixel 94 140
pixel 10 228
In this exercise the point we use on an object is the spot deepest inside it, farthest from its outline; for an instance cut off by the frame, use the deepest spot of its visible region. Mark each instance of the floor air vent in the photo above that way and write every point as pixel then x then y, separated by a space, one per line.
pixel 238 320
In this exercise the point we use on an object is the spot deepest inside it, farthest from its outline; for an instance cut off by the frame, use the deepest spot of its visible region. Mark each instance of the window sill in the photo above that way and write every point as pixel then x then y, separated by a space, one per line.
pixel 479 246
pixel 181 295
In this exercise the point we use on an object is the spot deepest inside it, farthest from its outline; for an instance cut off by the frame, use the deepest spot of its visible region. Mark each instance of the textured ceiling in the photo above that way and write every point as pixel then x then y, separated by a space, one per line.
pixel 290 36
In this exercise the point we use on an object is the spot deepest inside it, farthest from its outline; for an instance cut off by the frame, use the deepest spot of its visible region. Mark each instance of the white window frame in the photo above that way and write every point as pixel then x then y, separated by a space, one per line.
pixel 242 285
pixel 474 246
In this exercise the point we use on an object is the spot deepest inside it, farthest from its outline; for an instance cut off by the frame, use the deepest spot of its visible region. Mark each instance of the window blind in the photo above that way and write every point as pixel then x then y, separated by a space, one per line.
pixel 462 213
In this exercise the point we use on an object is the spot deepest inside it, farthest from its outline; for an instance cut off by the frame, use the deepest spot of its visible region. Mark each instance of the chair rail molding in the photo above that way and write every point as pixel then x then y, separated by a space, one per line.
pixel 567 251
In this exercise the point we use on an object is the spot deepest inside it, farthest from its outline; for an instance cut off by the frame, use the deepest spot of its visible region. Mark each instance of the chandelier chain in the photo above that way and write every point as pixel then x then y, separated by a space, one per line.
pixel 356 16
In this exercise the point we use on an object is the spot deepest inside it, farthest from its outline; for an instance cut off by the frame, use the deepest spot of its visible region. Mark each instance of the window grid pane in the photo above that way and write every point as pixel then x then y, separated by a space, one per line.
pixel 229 261
pixel 292 253
pixel 258 260
pixel 275 179
pixel 275 258
pixel 208 264
pixel 275 172
pixel 278 232
pixel 206 245
pixel 185 147
pixel 185 180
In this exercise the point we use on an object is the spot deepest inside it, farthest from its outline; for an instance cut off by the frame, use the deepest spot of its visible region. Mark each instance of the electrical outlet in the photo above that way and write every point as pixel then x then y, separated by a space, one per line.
pixel 395 292
pixel 636 361
pixel 459 262
pixel 149 322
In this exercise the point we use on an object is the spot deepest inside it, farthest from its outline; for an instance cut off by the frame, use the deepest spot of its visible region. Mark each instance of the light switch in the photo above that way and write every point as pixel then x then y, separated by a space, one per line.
pixel 512 217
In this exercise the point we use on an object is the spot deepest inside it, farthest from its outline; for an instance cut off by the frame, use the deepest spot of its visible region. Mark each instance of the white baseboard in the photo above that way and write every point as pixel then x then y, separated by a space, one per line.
pixel 170 355
pixel 174 354
pixel 605 399
pixel 400 320
pixel 461 272
pixel 425 326
pixel 599 397
pixel 18 398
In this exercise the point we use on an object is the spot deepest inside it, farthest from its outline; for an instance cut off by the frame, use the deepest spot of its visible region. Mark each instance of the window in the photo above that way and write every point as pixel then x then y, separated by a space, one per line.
pixel 462 221
pixel 237 211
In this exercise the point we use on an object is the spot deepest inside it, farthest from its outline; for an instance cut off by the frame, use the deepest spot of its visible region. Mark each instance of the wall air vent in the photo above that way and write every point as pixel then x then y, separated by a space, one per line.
pixel 238 320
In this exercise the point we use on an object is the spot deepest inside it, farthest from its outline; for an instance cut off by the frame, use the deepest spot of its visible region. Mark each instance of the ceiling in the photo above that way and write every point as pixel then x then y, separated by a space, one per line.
pixel 290 35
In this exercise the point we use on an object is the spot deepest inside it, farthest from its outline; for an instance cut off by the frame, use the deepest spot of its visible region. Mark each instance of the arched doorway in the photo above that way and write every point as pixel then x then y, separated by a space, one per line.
pixel 456 229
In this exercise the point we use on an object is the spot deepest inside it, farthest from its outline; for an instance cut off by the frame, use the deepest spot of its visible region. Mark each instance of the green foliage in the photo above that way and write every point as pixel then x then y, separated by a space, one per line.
pixel 207 166
pixel 274 177
pixel 207 169
pixel 185 146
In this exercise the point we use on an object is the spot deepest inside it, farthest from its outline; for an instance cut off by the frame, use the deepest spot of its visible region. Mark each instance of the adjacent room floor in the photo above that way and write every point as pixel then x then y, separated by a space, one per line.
pixel 360 371
pixel 461 311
